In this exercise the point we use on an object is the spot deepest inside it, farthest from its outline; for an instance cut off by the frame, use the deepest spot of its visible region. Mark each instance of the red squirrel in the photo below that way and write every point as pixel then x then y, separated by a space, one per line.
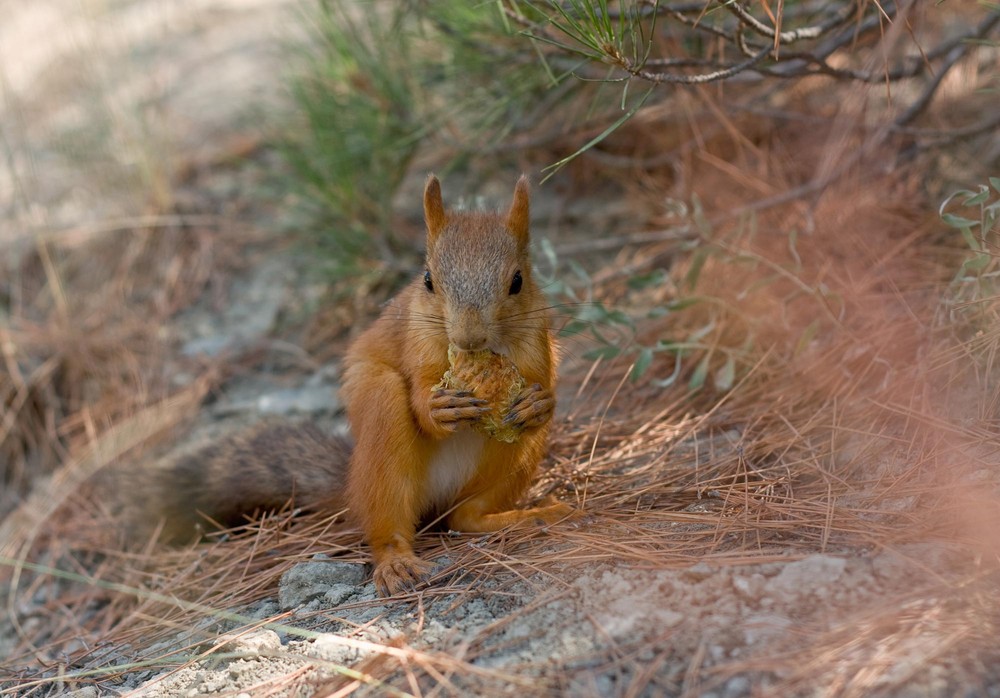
pixel 416 452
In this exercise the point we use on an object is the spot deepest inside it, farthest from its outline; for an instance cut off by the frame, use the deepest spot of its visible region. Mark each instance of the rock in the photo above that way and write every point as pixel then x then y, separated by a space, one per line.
pixel 318 396
pixel 208 346
pixel 309 580
pixel 261 641
pixel 85 692
pixel 808 574
pixel 669 619
pixel 698 572
pixel 331 648
pixel 749 588
pixel 250 316
pixel 736 687
pixel 337 594
pixel 760 627
pixel 914 558
pixel 307 400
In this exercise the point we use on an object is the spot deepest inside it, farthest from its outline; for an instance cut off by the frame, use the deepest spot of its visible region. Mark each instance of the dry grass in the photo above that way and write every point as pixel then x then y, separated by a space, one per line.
pixel 82 346
pixel 807 453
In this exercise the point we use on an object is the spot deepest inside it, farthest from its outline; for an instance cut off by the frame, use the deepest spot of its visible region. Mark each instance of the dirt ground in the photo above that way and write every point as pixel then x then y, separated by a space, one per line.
pixel 105 114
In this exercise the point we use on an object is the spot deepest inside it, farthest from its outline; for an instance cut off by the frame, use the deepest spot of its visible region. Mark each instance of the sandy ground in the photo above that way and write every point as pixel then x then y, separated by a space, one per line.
pixel 102 102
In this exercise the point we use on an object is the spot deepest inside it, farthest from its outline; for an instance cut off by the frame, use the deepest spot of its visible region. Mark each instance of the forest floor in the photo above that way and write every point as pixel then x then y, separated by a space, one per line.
pixel 821 527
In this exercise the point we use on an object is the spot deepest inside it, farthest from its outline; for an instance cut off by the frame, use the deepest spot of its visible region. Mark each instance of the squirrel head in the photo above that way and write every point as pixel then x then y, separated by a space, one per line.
pixel 478 275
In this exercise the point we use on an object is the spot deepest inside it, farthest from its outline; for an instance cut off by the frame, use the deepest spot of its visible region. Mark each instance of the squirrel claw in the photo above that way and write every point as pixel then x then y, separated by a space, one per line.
pixel 445 392
pixel 400 574
pixel 532 408
pixel 449 408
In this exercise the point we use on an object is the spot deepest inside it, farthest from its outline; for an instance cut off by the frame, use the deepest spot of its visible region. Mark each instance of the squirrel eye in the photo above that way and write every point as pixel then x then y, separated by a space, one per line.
pixel 515 284
pixel 427 281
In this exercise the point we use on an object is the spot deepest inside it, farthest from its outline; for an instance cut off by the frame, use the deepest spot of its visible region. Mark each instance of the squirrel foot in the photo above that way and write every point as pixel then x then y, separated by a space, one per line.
pixel 400 573
pixel 471 519
pixel 532 408
pixel 552 511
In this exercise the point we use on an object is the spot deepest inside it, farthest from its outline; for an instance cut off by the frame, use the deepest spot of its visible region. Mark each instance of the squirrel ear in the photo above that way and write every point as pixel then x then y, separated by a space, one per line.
pixel 518 218
pixel 434 214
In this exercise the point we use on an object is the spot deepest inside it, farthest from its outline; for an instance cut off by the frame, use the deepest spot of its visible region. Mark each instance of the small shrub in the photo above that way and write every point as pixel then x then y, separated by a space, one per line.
pixel 975 288
pixel 376 82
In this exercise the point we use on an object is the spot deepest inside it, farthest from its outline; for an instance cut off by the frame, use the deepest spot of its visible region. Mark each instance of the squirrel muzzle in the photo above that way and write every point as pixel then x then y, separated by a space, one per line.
pixel 468 330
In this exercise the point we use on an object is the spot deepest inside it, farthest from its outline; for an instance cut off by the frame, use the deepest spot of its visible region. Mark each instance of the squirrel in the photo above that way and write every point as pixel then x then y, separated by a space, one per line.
pixel 415 454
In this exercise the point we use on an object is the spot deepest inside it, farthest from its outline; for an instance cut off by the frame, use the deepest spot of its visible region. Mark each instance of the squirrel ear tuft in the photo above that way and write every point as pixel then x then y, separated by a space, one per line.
pixel 518 218
pixel 434 214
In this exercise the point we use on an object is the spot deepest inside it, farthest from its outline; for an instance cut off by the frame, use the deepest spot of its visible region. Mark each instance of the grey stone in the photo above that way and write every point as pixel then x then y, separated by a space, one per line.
pixel 310 580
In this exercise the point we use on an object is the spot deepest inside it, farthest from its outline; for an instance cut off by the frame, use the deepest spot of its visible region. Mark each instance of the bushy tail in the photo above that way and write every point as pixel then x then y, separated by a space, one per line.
pixel 262 468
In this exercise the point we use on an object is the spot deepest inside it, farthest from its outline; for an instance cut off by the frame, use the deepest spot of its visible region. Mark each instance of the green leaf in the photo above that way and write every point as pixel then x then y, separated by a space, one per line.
pixel 595 312
pixel 971 240
pixel 579 272
pixel 995 181
pixel 642 363
pixel 961 192
pixel 699 333
pixel 958 221
pixel 598 314
pixel 672 378
pixel 558 289
pixel 976 263
pixel 548 252
pixel 656 277
pixel 700 373
pixel 573 328
pixel 991 214
pixel 618 317
pixel 682 303
pixel 725 376
pixel 606 352
pixel 697 262
pixel 976 199
pixel 600 337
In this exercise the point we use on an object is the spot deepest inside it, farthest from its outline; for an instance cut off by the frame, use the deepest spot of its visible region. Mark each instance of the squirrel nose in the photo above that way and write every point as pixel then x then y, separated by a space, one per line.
pixel 468 333
pixel 471 341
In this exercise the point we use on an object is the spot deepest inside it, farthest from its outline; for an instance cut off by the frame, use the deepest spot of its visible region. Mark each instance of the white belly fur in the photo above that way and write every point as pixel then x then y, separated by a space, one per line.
pixel 453 466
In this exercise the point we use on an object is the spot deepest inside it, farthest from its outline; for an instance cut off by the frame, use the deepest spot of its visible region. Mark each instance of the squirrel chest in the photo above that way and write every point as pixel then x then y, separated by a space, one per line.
pixel 452 466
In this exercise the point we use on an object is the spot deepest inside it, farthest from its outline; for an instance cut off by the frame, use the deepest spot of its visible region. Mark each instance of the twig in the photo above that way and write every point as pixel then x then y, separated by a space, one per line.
pixel 792 36
pixel 941 137
pixel 701 79
pixel 956 55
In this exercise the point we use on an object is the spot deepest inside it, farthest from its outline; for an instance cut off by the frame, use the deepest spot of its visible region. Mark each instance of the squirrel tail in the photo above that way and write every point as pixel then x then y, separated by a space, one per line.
pixel 262 468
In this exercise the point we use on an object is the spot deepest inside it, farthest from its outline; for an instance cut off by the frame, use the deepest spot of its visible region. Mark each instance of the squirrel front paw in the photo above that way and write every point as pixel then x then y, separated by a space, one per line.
pixel 450 408
pixel 400 573
pixel 532 408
